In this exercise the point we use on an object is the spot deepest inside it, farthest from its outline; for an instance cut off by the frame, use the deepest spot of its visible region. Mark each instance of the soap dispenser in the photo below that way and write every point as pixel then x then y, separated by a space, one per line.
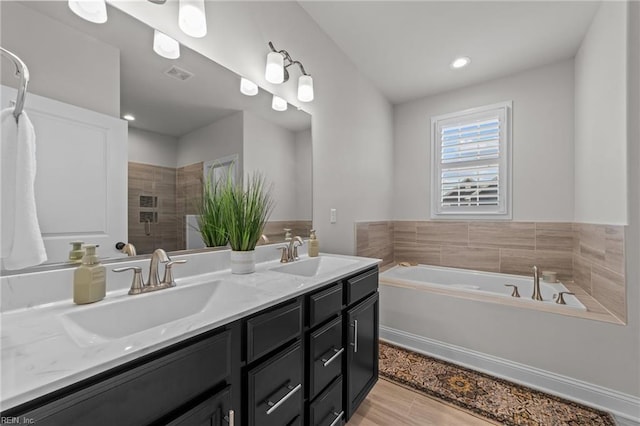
pixel 77 252
pixel 89 279
pixel 314 246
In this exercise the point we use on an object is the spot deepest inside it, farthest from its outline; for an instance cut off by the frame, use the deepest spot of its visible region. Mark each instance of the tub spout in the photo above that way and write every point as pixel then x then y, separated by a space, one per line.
pixel 536 285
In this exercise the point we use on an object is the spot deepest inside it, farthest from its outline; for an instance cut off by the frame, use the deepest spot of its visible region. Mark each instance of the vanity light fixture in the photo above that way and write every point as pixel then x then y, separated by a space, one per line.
pixel 92 10
pixel 460 62
pixel 192 19
pixel 129 117
pixel 276 72
pixel 278 103
pixel 165 46
pixel 248 87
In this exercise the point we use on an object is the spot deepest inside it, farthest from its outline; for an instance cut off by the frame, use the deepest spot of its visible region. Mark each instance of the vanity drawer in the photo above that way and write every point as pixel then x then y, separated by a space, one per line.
pixel 325 304
pixel 325 356
pixel 362 285
pixel 271 329
pixel 275 389
pixel 146 392
pixel 327 410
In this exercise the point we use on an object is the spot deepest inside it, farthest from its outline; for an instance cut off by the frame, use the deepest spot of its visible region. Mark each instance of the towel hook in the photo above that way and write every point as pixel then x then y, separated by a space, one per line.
pixel 23 72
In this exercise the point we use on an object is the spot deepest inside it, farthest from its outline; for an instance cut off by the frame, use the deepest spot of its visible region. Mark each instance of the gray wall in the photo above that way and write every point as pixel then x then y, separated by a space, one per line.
pixel 270 149
pixel 65 64
pixel 601 117
pixel 152 148
pixel 216 140
pixel 542 142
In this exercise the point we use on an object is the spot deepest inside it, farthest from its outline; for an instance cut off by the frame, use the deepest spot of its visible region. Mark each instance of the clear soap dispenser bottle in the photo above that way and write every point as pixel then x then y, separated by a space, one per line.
pixel 314 246
pixel 89 279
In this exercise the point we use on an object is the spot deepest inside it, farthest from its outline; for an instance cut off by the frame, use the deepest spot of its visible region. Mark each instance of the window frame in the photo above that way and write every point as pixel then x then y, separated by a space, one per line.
pixel 503 211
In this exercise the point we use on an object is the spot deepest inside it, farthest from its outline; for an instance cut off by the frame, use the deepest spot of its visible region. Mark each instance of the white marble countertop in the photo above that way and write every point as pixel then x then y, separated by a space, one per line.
pixel 40 355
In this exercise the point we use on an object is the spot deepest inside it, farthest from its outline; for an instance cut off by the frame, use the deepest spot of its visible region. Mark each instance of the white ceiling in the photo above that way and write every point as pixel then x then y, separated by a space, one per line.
pixel 163 104
pixel 405 47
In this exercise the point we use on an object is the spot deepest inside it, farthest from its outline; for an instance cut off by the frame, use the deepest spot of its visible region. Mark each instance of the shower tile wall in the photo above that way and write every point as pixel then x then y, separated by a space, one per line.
pixel 188 195
pixel 159 183
pixel 591 255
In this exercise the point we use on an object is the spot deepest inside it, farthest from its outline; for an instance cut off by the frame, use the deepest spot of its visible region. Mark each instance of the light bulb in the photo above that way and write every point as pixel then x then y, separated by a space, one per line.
pixel 278 103
pixel 192 18
pixel 165 46
pixel 305 88
pixel 274 73
pixel 460 62
pixel 92 10
pixel 129 117
pixel 248 87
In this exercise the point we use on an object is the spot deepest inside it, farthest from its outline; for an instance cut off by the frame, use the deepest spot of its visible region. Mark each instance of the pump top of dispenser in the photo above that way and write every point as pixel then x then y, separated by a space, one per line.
pixel 287 234
pixel 312 234
pixel 77 252
pixel 90 257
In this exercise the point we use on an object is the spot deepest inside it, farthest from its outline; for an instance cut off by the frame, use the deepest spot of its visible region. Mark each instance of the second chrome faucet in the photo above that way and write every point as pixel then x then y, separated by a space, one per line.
pixel 159 256
pixel 290 251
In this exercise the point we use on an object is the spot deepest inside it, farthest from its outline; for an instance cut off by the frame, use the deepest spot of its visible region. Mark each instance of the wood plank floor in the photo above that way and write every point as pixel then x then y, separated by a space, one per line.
pixel 391 405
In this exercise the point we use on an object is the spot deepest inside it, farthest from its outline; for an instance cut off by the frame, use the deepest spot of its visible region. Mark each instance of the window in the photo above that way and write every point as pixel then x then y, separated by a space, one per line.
pixel 471 156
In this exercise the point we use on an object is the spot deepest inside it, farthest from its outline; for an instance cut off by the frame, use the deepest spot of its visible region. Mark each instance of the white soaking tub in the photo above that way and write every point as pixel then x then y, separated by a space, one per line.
pixel 486 286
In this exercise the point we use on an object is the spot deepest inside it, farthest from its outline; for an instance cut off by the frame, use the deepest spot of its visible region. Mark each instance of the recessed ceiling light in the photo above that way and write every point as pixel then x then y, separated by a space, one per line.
pixel 460 62
pixel 128 117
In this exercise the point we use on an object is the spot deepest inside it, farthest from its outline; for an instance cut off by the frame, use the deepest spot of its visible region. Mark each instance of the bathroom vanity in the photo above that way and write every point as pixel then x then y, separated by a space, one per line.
pixel 300 346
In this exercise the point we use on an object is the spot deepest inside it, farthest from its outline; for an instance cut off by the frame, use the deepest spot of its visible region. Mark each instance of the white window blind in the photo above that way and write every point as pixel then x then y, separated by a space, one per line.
pixel 470 162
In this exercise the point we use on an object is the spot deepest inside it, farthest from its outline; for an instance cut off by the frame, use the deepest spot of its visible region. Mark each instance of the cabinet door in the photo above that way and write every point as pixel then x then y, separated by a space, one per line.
pixel 213 411
pixel 362 344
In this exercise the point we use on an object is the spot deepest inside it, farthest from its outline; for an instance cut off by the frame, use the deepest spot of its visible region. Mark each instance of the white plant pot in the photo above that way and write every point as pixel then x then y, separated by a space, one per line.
pixel 243 262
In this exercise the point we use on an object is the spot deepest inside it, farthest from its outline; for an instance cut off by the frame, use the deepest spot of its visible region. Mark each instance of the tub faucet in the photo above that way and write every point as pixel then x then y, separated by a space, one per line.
pixel 536 285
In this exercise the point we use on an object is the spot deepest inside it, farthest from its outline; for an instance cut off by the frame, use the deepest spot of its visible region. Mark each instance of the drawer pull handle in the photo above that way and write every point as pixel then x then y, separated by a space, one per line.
pixel 230 419
pixel 355 336
pixel 337 353
pixel 338 418
pixel 274 405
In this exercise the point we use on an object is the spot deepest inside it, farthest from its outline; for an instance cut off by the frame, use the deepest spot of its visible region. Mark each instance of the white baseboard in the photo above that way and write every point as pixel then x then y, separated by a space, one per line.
pixel 626 408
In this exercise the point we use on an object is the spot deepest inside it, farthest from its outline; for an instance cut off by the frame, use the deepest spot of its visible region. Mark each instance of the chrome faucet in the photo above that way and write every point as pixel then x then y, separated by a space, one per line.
pixel 290 251
pixel 138 285
pixel 158 256
pixel 536 285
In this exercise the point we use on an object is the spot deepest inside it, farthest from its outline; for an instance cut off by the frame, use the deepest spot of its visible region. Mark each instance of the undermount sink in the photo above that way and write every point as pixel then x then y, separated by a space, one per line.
pixel 112 320
pixel 314 266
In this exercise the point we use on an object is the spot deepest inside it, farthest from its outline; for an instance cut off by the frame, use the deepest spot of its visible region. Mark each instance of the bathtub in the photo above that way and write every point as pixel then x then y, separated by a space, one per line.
pixel 485 286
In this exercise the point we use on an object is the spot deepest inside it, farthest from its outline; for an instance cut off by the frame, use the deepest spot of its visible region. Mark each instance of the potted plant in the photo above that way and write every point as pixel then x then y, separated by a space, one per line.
pixel 210 220
pixel 245 212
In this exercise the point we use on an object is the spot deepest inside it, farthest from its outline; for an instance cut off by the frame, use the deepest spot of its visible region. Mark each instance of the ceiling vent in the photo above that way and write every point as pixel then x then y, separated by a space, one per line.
pixel 178 73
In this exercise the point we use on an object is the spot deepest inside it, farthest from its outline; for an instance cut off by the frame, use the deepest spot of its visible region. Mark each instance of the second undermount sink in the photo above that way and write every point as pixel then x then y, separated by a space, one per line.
pixel 314 266
pixel 109 320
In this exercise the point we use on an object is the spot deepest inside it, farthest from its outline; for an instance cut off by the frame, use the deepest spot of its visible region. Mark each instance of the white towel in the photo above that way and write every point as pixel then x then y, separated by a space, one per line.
pixel 22 244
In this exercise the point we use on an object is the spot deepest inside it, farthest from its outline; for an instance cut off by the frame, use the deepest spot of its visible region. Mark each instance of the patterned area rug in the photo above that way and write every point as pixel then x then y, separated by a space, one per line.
pixel 483 395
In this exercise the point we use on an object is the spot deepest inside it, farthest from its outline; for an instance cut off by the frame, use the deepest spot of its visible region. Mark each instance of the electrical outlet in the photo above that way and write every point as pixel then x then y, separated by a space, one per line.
pixel 333 216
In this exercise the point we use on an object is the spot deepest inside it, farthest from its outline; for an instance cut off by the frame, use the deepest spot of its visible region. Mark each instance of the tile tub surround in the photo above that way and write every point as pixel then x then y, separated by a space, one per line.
pixel 39 356
pixel 591 255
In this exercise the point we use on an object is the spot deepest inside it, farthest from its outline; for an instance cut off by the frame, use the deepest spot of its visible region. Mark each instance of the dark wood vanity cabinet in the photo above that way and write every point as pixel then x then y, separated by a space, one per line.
pixel 189 383
pixel 307 361
pixel 318 358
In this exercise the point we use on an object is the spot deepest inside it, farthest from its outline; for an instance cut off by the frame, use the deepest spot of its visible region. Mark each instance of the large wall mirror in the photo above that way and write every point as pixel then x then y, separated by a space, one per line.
pixel 189 117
